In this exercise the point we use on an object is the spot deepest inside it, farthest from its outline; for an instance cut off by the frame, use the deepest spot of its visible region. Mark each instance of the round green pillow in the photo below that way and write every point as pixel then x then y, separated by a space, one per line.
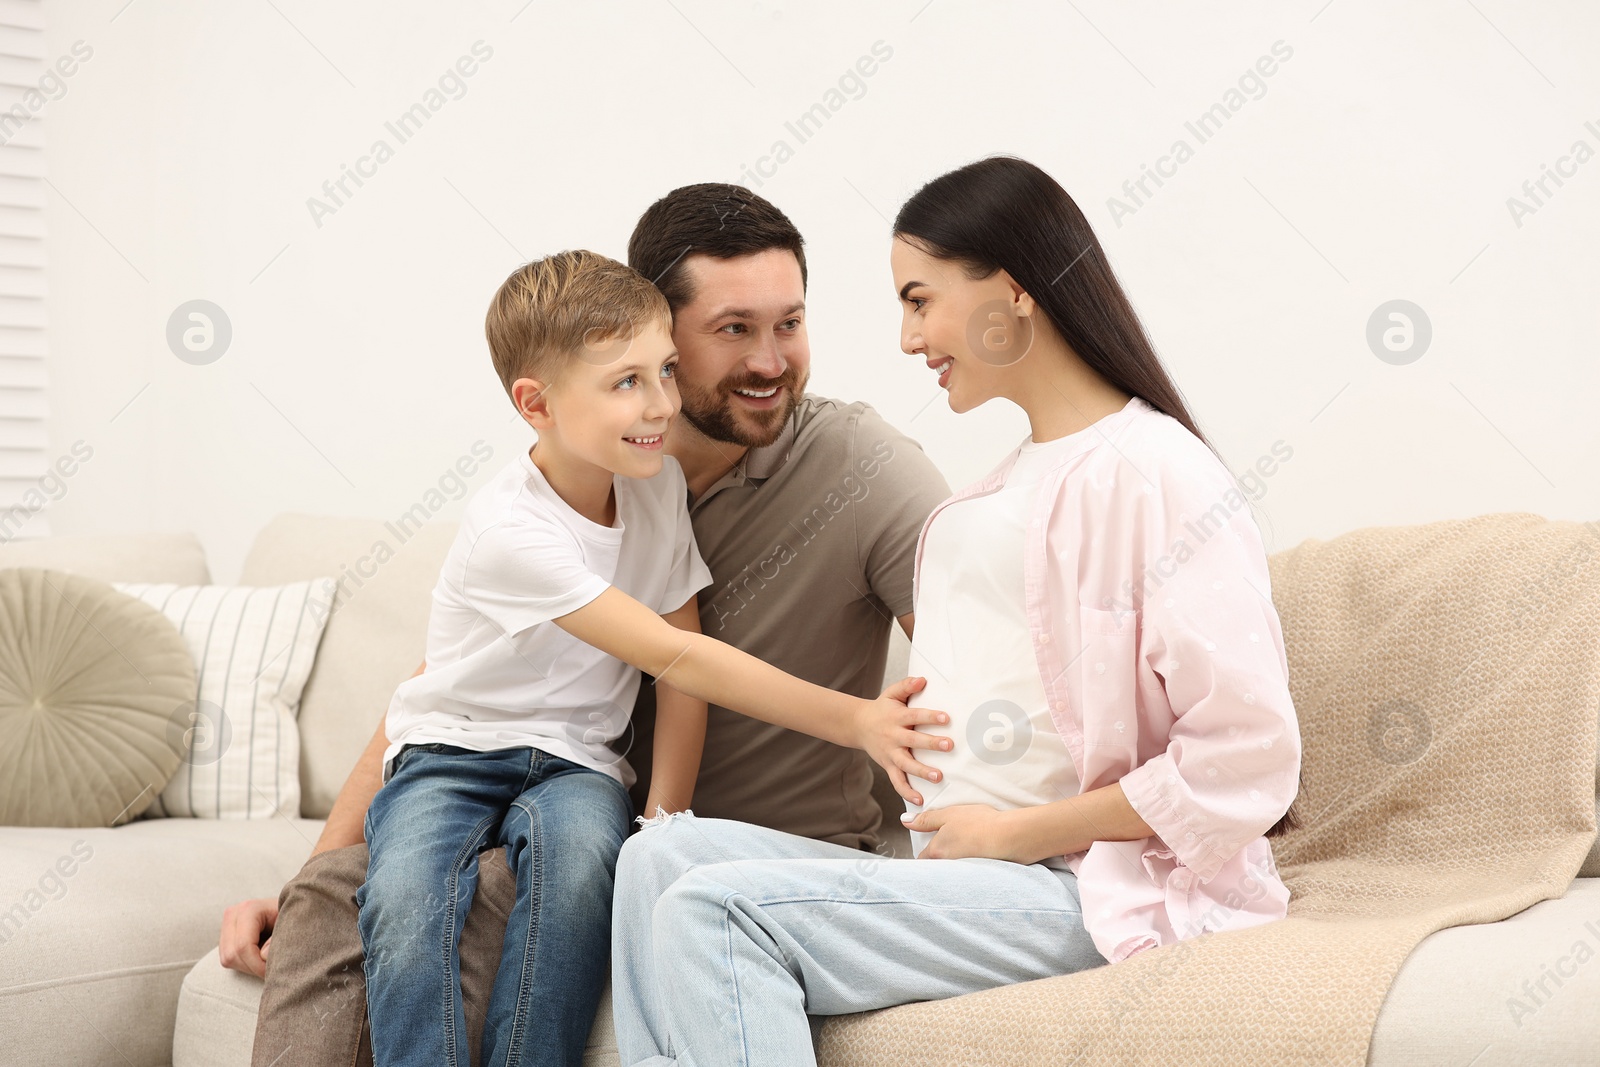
pixel 93 687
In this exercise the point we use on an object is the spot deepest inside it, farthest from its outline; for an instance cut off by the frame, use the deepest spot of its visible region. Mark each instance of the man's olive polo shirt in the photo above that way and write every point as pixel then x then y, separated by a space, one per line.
pixel 810 542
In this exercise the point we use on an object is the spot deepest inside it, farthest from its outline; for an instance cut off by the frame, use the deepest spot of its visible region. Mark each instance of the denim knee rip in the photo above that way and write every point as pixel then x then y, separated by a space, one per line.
pixel 661 816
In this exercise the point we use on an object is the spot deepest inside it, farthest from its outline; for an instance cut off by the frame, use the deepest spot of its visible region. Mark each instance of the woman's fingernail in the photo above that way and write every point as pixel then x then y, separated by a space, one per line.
pixel 906 816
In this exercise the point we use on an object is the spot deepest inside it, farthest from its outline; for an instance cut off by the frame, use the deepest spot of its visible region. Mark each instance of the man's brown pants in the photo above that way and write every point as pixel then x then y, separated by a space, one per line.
pixel 314 1007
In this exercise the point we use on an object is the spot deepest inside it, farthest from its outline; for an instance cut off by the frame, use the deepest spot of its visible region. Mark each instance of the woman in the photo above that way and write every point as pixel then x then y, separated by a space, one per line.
pixel 1095 615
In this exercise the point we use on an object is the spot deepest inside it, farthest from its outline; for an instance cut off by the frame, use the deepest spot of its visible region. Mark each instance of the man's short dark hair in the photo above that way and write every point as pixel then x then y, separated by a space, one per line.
pixel 711 219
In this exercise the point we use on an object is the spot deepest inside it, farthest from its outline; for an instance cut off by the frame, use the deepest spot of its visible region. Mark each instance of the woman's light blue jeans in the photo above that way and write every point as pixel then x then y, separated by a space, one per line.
pixel 730 940
pixel 561 825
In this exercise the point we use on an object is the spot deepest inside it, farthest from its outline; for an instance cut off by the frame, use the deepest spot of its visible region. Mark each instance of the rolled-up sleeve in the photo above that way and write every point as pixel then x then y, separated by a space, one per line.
pixel 1209 630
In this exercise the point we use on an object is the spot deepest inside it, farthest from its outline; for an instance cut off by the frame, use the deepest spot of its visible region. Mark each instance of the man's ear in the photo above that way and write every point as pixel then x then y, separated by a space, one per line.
pixel 532 402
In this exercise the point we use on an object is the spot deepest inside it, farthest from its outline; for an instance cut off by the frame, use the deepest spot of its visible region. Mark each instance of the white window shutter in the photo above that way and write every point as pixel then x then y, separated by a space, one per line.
pixel 24 408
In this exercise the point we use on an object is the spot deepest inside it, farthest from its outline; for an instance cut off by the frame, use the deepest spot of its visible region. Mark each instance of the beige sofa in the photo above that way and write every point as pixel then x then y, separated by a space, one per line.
pixel 119 967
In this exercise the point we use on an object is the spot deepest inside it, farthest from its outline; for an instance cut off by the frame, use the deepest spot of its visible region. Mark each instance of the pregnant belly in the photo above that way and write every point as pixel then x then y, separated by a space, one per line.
pixel 1003 754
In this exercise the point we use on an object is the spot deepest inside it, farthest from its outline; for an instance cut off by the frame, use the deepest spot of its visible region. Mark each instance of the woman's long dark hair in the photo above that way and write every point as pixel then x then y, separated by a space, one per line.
pixel 1005 213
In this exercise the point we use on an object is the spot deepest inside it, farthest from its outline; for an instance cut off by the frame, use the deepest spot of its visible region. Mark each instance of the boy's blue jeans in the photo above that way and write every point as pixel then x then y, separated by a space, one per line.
pixel 562 826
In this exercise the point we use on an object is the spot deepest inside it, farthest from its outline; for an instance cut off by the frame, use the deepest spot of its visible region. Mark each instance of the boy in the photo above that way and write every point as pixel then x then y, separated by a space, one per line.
pixel 562 583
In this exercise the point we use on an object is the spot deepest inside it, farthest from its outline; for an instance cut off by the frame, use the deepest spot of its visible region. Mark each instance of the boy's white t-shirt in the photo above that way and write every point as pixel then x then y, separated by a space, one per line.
pixel 500 674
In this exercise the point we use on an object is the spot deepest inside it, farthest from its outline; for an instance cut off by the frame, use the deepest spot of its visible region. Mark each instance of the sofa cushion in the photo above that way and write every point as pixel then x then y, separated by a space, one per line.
pixel 375 635
pixel 216 1024
pixel 253 648
pixel 99 926
pixel 93 687
pixel 216 1021
pixel 1517 986
pixel 125 557
pixel 1522 990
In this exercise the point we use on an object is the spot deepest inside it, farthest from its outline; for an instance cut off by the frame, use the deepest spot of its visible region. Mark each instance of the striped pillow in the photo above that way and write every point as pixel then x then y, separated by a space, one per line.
pixel 253 649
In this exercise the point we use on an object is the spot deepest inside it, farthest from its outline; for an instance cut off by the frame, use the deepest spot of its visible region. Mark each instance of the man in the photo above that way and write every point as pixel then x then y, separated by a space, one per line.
pixel 807 512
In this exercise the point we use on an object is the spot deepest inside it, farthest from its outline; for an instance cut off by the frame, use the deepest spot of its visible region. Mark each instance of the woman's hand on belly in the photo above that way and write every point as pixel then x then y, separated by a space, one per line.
pixel 970 830
pixel 1031 833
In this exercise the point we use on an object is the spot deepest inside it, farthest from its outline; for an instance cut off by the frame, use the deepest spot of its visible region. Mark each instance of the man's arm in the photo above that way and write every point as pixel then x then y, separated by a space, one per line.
pixel 905 489
pixel 680 733
pixel 347 820
pixel 346 823
pixel 240 946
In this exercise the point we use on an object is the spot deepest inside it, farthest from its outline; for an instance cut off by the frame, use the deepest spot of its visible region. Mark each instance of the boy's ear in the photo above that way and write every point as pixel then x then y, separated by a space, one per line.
pixel 531 400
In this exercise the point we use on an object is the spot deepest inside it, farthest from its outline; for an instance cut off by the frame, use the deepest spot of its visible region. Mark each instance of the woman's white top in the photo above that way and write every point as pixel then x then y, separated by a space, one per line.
pixel 971 643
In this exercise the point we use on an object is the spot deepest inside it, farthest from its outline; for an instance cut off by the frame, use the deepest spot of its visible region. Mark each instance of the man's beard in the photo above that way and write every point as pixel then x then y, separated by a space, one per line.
pixel 711 411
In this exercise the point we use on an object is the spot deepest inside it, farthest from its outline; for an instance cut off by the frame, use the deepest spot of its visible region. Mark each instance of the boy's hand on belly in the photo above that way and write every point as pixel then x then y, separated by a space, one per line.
pixel 886 729
pixel 968 830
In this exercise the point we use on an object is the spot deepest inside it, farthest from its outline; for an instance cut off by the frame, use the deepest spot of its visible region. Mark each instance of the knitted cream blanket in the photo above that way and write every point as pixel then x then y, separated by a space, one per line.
pixel 1446 678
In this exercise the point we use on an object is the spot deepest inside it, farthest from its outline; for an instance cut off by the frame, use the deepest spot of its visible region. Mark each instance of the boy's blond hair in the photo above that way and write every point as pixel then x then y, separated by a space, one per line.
pixel 555 309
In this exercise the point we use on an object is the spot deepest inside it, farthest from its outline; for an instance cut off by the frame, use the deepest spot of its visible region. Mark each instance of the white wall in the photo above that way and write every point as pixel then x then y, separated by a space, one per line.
pixel 1376 164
